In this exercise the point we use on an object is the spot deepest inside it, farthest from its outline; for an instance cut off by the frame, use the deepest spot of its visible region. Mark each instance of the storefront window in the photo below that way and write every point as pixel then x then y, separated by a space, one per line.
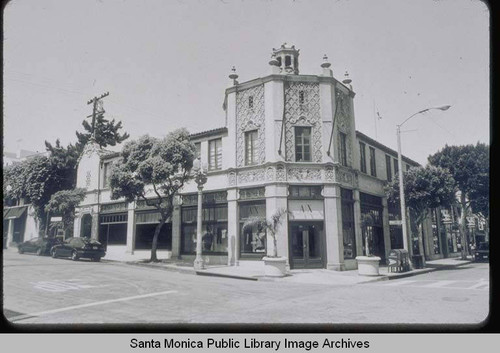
pixel 113 228
pixel 348 224
pixel 146 223
pixel 252 240
pixel 214 229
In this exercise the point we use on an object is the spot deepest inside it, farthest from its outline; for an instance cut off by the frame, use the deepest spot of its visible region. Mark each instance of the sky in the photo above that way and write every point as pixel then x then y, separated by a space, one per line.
pixel 165 64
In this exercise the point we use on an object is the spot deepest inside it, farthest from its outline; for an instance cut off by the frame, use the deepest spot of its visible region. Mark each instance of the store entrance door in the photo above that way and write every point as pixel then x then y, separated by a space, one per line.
pixel 306 245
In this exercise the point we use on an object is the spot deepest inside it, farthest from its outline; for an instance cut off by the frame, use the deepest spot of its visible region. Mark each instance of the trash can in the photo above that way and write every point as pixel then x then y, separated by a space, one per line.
pixel 405 260
pixel 398 261
pixel 394 261
pixel 418 261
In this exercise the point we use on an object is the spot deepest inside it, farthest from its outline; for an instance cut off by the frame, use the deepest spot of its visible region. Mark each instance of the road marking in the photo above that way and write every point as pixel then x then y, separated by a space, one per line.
pixel 438 284
pixel 63 285
pixel 399 283
pixel 22 317
pixel 479 285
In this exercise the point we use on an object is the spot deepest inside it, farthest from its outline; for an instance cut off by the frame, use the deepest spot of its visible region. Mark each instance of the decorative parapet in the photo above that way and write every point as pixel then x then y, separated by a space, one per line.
pixel 293 173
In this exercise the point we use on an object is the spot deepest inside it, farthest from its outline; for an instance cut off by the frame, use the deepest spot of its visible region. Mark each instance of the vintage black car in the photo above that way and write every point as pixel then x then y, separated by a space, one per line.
pixel 482 252
pixel 77 248
pixel 40 245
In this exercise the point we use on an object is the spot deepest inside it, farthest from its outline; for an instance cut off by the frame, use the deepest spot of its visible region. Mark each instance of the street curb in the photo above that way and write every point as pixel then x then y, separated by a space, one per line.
pixel 178 269
pixel 212 274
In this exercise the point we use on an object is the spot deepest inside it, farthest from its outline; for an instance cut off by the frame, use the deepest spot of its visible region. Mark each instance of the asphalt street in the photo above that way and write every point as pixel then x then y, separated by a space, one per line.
pixel 40 289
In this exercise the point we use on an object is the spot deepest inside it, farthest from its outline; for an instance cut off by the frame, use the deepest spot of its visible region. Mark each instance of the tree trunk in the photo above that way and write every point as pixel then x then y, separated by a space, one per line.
pixel 275 246
pixel 154 245
pixel 465 246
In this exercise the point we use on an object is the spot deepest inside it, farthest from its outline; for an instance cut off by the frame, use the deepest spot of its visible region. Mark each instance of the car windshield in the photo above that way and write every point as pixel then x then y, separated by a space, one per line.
pixel 483 246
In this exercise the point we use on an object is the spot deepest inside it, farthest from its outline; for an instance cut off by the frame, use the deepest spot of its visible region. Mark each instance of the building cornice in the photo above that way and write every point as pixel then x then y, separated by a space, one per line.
pixel 289 78
pixel 384 148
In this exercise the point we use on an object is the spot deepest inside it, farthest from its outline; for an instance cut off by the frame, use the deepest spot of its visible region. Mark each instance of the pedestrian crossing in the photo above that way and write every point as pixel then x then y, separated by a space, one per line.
pixel 482 285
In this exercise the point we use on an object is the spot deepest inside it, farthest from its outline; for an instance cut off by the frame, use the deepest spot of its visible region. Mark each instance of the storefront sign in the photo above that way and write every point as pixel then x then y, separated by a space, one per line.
pixel 306 210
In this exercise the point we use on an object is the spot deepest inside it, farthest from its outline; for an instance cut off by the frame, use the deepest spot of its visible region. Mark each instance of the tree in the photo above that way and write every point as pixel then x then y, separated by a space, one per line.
pixel 271 226
pixel 63 203
pixel 40 179
pixel 64 160
pixel 157 168
pixel 425 189
pixel 13 184
pixel 106 132
pixel 469 166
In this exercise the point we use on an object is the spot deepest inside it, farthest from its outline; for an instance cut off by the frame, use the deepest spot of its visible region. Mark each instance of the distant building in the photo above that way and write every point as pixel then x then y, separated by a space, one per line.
pixel 10 158
pixel 289 142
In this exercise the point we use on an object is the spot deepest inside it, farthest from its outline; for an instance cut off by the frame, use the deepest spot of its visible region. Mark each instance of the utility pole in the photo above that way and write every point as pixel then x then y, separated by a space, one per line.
pixel 95 101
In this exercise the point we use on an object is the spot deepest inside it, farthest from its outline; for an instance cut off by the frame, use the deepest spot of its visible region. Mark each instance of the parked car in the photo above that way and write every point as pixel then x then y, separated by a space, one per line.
pixel 482 252
pixel 79 248
pixel 40 245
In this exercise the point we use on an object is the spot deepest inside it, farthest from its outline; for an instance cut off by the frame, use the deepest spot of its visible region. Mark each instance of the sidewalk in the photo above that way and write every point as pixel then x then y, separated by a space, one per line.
pixel 254 270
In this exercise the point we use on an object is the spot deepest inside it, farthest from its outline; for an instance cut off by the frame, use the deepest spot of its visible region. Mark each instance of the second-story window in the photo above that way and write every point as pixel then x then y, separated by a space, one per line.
pixel 215 154
pixel 198 150
pixel 106 173
pixel 396 167
pixel 250 147
pixel 250 102
pixel 302 144
pixel 343 148
pixel 362 155
pixel 373 165
pixel 388 167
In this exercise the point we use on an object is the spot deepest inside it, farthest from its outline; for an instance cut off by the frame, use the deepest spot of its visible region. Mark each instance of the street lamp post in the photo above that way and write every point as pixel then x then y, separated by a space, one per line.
pixel 200 179
pixel 400 175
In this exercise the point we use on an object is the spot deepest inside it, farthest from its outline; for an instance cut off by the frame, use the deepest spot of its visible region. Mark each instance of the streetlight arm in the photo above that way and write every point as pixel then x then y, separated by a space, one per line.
pixel 444 107
pixel 420 112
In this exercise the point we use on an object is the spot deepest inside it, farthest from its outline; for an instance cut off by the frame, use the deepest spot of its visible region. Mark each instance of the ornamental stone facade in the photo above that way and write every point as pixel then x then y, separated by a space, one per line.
pixel 290 142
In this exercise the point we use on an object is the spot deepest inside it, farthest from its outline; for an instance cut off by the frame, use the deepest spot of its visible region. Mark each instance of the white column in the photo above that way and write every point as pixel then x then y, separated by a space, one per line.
pixel 333 228
pixel 326 111
pixel 357 224
pixel 131 228
pixel 277 198
pixel 386 228
pixel 233 229
pixel 229 142
pixel 10 233
pixel 176 228
pixel 94 233
pixel 273 110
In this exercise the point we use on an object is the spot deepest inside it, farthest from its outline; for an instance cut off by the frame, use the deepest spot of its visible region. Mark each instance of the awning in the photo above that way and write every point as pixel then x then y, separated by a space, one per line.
pixel 14 212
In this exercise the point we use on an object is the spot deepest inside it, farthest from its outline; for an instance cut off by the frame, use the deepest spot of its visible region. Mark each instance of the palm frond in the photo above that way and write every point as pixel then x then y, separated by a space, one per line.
pixel 254 221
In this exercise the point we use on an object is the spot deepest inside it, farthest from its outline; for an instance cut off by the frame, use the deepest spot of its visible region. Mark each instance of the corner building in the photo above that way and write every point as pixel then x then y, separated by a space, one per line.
pixel 289 142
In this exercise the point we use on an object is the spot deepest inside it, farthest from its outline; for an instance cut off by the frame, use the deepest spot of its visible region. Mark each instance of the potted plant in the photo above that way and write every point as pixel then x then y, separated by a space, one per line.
pixel 274 265
pixel 368 265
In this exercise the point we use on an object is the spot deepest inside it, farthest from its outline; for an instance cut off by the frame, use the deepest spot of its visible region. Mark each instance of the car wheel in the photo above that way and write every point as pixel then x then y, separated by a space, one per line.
pixel 53 253
pixel 39 251
pixel 20 250
pixel 96 259
pixel 74 256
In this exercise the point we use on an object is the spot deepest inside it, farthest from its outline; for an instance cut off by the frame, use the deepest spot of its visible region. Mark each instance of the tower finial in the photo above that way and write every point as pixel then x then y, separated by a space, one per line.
pixel 233 76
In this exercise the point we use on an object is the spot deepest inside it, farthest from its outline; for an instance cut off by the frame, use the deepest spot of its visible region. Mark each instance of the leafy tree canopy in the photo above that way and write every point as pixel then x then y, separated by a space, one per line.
pixel 424 188
pixel 107 132
pixel 63 203
pixel 154 170
pixel 470 167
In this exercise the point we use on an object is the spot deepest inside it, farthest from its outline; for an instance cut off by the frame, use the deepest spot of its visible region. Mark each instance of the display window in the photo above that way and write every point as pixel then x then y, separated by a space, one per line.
pixel 348 224
pixel 253 240
pixel 214 229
